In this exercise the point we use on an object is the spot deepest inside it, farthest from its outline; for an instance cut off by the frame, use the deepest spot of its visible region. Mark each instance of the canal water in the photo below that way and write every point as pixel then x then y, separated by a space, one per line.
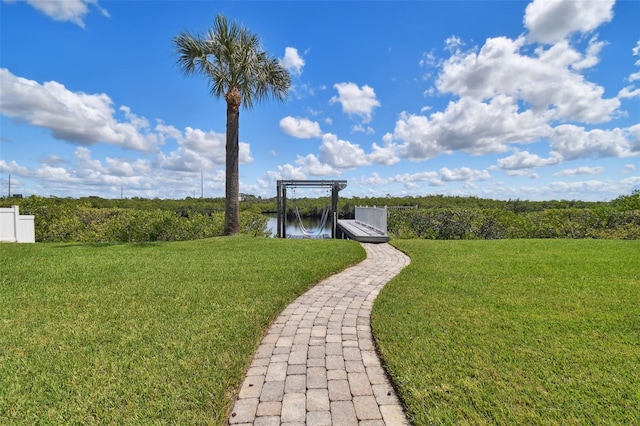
pixel 311 224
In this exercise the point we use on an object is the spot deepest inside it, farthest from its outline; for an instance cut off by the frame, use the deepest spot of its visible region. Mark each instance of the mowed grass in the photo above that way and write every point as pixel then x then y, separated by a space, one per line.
pixel 515 332
pixel 156 333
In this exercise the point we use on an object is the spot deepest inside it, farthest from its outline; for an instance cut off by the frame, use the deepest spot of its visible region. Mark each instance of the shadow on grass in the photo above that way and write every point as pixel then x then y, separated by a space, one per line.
pixel 146 244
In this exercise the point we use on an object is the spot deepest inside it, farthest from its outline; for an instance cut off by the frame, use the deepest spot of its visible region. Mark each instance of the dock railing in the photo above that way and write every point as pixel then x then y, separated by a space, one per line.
pixel 373 217
pixel 414 207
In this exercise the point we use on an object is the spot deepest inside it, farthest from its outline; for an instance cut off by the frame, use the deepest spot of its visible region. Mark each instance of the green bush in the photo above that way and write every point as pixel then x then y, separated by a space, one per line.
pixel 55 220
pixel 253 223
pixel 67 220
pixel 478 223
pixel 94 219
pixel 627 202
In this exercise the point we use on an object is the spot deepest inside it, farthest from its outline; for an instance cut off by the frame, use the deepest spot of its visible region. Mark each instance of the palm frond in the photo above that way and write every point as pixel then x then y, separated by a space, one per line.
pixel 189 51
pixel 231 57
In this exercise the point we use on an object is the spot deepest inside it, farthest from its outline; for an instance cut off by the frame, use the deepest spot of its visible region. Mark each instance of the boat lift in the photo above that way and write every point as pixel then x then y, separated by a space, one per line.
pixel 334 185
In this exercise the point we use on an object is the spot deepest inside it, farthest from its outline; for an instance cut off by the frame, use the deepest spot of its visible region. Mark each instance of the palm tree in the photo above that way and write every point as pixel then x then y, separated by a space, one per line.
pixel 232 59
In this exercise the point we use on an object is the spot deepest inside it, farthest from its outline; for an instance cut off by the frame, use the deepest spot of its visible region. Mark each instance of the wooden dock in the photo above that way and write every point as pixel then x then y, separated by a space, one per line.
pixel 360 232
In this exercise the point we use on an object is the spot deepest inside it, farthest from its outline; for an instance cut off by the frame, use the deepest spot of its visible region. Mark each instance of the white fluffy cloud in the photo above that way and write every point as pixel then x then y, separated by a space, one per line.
pixel 341 154
pixel 85 119
pixel 526 160
pixel 409 180
pixel 374 180
pixel 136 177
pixel 550 21
pixel 268 181
pixel 199 150
pixel 504 93
pixel 546 80
pixel 573 142
pixel 510 91
pixel 127 168
pixel 314 167
pixel 66 10
pixel 468 125
pixel 302 128
pixel 292 61
pixel 581 171
pixel 463 174
pixel 359 128
pixel 355 100
pixel 337 156
pixel 631 91
pixel 76 117
pixel 13 168
pixel 82 170
pixel 387 154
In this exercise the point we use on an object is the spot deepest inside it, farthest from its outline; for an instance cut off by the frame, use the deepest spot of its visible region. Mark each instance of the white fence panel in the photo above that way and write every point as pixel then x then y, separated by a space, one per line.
pixel 373 217
pixel 15 227
pixel 7 225
pixel 26 229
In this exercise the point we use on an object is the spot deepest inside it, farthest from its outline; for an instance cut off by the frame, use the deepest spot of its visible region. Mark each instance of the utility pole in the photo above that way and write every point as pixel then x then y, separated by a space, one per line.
pixel 9 186
pixel 201 184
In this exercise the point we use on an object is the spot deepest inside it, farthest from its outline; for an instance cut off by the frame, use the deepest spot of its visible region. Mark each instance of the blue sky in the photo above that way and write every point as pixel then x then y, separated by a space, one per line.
pixel 494 99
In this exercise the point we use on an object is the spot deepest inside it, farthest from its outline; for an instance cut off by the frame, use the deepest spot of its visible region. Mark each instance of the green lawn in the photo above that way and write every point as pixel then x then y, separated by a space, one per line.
pixel 478 332
pixel 515 331
pixel 143 333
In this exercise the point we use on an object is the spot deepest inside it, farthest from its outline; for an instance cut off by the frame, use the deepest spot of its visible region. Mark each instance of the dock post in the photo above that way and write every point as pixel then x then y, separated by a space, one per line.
pixel 279 208
pixel 334 210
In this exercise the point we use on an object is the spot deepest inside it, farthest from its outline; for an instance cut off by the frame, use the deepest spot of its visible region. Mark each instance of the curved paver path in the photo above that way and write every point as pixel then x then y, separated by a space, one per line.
pixel 317 365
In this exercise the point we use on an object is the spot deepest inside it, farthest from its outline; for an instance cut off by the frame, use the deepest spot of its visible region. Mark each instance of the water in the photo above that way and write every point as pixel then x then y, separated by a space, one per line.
pixel 312 224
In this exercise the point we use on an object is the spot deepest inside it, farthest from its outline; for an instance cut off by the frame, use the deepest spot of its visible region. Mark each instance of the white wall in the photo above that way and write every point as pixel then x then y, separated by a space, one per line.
pixel 15 227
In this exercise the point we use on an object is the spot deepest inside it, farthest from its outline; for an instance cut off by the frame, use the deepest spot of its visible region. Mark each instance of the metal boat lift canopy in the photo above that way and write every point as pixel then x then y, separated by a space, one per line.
pixel 334 185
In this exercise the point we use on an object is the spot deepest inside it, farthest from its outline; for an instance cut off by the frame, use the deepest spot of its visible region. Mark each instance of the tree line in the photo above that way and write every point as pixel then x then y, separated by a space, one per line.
pixel 95 219
pixel 471 218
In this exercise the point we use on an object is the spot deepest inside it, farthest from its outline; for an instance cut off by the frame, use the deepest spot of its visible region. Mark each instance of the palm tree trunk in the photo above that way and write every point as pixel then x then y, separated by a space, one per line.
pixel 232 186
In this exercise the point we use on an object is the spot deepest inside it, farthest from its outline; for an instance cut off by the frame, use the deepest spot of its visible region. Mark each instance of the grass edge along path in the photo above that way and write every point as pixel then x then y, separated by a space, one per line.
pixel 514 331
pixel 144 333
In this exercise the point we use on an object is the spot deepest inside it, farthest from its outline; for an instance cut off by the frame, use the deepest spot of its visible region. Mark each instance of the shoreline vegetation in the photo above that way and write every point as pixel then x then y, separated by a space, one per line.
pixel 94 219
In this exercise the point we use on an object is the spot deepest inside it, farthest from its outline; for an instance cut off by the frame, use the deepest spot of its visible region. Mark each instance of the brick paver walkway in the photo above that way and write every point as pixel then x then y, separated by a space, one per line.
pixel 318 365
